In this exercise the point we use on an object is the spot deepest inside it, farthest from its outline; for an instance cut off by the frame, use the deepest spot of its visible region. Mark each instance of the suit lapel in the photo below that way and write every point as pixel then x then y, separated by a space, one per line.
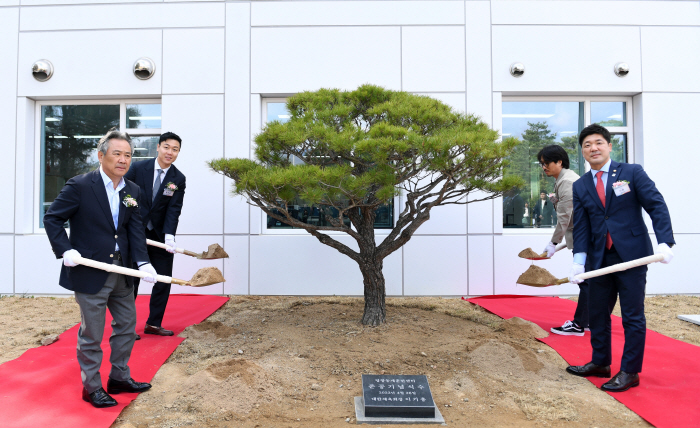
pixel 122 207
pixel 148 172
pixel 615 168
pixel 98 186
pixel 588 183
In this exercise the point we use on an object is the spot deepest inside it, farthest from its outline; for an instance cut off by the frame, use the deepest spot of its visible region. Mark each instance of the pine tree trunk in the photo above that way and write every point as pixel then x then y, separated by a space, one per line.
pixel 375 292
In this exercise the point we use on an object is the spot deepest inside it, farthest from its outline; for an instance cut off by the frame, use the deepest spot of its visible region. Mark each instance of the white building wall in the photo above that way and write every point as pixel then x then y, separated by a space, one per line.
pixel 217 61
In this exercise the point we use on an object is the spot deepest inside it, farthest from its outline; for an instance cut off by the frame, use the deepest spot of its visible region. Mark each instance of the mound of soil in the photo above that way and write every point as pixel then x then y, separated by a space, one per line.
pixel 528 253
pixel 537 277
pixel 215 251
pixel 207 276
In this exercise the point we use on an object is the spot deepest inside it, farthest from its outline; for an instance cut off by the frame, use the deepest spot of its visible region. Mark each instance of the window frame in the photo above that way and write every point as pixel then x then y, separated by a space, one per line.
pixel 587 100
pixel 122 102
pixel 302 232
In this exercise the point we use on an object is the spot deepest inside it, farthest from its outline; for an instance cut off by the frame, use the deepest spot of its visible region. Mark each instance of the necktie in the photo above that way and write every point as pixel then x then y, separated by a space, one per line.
pixel 601 194
pixel 156 185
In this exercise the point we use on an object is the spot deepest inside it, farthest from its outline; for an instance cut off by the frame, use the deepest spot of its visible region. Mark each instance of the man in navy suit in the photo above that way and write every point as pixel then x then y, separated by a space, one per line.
pixel 609 229
pixel 105 225
pixel 163 187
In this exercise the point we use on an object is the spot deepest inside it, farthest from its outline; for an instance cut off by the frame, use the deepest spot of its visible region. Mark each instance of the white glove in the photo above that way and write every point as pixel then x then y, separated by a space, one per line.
pixel 170 242
pixel 662 249
pixel 576 269
pixel 148 268
pixel 550 249
pixel 69 254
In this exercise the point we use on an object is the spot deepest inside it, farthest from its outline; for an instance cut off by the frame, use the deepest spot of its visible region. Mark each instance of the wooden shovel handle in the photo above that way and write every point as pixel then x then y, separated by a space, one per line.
pixel 559 246
pixel 165 247
pixel 616 268
pixel 125 271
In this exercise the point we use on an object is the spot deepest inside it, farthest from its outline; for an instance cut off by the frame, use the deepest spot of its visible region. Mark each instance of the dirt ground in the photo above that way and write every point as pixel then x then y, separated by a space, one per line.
pixel 297 362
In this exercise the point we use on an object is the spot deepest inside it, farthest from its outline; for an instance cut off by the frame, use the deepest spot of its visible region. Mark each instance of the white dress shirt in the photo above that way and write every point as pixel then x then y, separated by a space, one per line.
pixel 113 198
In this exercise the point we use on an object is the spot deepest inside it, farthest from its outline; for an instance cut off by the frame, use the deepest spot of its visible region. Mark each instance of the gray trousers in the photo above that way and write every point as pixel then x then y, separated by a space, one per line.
pixel 118 297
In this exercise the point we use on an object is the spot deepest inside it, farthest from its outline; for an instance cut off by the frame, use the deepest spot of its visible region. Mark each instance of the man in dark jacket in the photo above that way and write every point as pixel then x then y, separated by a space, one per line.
pixel 163 189
pixel 106 226
pixel 609 229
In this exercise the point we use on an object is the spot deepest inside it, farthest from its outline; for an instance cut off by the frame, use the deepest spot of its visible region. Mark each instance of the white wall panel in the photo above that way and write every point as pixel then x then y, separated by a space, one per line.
pixel 357 13
pixel 7 267
pixel 199 121
pixel 300 265
pixel 553 62
pixel 115 16
pixel 75 2
pixel 677 276
pixel 9 2
pixel 8 109
pixel 663 144
pixel 193 61
pixel 433 59
pixel 238 80
pixel 98 64
pixel 480 215
pixel 445 220
pixel 184 267
pixel 478 51
pixel 289 60
pixel 508 266
pixel 236 266
pixel 32 251
pixel 596 13
pixel 435 265
pixel 26 202
pixel 480 254
pixel 663 49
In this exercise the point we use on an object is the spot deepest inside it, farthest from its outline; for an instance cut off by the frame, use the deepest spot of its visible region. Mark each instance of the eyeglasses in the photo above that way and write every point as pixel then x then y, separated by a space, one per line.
pixel 544 164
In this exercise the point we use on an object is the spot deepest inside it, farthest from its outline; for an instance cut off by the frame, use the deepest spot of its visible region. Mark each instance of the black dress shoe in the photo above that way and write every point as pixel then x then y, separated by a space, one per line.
pixel 160 331
pixel 621 382
pixel 138 337
pixel 99 398
pixel 117 386
pixel 589 369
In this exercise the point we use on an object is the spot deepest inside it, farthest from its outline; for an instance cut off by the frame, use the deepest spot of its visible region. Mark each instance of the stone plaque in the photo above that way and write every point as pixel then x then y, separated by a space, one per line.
pixel 402 396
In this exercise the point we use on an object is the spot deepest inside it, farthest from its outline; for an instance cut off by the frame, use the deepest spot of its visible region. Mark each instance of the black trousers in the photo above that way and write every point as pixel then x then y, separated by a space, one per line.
pixel 162 261
pixel 581 314
pixel 630 285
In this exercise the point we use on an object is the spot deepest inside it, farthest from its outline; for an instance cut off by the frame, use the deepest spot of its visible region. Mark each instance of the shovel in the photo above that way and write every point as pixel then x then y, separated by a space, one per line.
pixel 599 272
pixel 213 252
pixel 203 277
pixel 542 256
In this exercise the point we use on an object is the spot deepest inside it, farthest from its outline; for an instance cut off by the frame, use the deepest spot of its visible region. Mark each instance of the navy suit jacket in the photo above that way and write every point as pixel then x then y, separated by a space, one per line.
pixel 163 211
pixel 83 201
pixel 622 216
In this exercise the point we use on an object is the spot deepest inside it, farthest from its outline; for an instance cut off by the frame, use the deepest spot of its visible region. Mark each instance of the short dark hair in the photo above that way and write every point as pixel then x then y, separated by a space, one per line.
pixel 554 153
pixel 593 129
pixel 170 136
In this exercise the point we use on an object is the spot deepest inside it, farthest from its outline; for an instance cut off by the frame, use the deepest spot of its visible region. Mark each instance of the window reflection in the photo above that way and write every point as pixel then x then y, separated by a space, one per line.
pixel 609 113
pixel 69 136
pixel 538 124
pixel 143 116
pixel 318 215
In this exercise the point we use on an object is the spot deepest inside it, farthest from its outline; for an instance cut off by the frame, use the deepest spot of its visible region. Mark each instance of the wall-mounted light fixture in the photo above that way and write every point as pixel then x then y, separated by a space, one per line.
pixel 517 69
pixel 144 68
pixel 42 70
pixel 622 69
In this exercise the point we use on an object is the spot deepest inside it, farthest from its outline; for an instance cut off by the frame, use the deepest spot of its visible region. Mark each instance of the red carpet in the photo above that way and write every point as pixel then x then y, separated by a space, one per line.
pixel 42 387
pixel 669 391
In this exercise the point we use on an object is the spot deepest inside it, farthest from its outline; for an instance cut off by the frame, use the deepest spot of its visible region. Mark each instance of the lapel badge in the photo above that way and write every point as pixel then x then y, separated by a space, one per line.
pixel 613 175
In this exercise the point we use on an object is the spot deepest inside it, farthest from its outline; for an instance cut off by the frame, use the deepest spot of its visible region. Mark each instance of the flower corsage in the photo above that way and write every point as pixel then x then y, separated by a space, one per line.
pixel 171 186
pixel 129 201
pixel 620 183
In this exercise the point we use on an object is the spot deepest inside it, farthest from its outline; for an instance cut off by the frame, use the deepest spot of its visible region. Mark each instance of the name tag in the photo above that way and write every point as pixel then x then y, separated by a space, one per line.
pixel 621 190
pixel 167 192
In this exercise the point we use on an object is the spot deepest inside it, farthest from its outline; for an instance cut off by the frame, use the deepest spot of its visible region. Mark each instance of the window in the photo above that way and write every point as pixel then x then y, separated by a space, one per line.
pixel 69 133
pixel 541 122
pixel 276 110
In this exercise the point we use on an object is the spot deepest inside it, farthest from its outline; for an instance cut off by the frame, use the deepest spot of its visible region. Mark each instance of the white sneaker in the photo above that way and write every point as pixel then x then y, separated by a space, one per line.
pixel 568 329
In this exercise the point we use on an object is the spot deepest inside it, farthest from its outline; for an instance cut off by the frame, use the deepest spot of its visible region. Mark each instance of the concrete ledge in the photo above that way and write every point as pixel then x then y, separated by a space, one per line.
pixel 361 419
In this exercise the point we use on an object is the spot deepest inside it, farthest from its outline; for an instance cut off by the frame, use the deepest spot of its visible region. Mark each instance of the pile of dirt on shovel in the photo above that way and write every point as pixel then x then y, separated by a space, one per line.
pixel 528 253
pixel 535 275
pixel 215 252
pixel 207 276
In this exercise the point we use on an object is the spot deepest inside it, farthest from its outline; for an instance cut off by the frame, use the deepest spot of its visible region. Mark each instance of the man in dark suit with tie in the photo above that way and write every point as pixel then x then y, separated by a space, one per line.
pixel 105 225
pixel 163 187
pixel 609 229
